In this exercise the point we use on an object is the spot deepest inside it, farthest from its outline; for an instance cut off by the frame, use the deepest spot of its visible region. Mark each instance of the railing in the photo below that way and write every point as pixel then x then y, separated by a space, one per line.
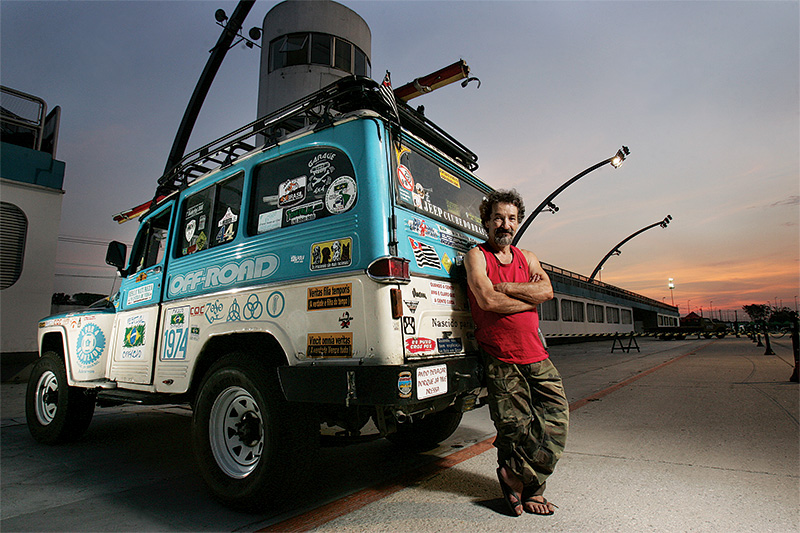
pixel 314 111
pixel 571 278
pixel 22 117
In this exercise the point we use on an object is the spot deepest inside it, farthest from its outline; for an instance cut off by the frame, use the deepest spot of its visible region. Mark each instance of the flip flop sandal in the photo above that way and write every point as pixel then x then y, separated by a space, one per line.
pixel 546 503
pixel 511 497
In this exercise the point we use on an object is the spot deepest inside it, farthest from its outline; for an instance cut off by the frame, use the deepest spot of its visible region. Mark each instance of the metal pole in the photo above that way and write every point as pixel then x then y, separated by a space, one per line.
pixel 796 349
pixel 620 154
pixel 615 249
pixel 204 83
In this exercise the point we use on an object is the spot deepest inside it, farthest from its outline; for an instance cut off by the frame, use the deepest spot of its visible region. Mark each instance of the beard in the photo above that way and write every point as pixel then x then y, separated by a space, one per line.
pixel 503 238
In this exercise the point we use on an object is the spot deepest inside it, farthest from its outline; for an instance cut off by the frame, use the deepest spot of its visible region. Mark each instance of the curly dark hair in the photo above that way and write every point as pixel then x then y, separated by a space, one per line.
pixel 502 197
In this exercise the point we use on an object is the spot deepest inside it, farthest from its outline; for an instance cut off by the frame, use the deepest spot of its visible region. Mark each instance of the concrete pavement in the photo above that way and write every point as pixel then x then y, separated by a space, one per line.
pixel 708 442
pixel 682 436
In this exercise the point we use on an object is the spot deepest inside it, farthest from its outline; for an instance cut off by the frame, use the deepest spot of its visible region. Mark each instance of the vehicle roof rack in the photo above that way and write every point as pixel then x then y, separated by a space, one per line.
pixel 317 110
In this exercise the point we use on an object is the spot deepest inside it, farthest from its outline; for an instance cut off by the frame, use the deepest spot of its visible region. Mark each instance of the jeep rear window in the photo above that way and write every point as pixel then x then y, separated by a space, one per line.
pixel 427 188
pixel 301 187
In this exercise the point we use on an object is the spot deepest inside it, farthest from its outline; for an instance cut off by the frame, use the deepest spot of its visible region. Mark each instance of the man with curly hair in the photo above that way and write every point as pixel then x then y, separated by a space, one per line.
pixel 526 397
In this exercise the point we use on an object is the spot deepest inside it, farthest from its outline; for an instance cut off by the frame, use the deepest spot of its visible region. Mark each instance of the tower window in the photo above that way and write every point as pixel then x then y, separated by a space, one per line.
pixel 317 49
pixel 361 63
pixel 321 49
pixel 343 53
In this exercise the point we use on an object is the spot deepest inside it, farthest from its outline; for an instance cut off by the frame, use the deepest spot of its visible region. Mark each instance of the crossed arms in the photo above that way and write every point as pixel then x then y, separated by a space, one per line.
pixel 507 298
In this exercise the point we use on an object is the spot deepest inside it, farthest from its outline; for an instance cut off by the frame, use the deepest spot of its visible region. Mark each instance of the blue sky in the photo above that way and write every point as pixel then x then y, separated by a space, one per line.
pixel 705 94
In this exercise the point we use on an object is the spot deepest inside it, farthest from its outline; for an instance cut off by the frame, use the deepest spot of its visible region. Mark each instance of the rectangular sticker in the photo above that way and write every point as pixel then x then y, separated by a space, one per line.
pixel 134 339
pixel 330 297
pixel 140 294
pixel 330 345
pixel 449 345
pixel 431 381
pixel 270 220
pixel 449 178
pixel 443 293
pixel 331 254
pixel 176 333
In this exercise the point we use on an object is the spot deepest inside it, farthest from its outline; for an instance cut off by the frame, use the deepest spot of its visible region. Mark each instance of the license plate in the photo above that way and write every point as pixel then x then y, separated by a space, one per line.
pixel 431 381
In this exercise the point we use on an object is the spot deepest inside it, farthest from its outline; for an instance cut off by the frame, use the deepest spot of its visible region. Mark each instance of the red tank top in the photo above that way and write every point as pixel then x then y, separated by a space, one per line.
pixel 510 338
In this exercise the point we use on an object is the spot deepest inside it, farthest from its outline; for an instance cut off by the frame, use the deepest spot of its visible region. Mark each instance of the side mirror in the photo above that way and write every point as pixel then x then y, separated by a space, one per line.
pixel 115 255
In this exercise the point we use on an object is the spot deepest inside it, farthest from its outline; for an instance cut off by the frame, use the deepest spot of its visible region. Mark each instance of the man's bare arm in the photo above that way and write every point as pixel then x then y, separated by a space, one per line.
pixel 537 290
pixel 488 298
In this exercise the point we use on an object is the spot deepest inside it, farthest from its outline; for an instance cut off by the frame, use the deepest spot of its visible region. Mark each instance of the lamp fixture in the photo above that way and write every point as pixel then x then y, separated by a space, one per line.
pixel 618 159
pixel 254 33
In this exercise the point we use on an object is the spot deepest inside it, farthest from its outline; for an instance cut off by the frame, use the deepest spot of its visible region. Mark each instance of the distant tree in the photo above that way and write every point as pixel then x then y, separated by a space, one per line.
pixel 781 315
pixel 59 298
pixel 87 298
pixel 757 312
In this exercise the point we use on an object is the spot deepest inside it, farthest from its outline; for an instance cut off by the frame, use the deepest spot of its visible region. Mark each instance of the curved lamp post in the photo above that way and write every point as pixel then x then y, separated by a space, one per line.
pixel 615 249
pixel 615 161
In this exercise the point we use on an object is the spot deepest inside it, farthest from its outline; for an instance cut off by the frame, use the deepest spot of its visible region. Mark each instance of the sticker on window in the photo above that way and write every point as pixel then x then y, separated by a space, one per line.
pixel 292 191
pixel 269 220
pixel 341 195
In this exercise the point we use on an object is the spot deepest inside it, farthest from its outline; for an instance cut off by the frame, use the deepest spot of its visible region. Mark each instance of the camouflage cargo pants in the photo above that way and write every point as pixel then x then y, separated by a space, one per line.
pixel 531 414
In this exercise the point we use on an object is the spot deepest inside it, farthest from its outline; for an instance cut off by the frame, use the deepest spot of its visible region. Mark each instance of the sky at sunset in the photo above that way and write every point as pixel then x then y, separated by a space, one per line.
pixel 705 94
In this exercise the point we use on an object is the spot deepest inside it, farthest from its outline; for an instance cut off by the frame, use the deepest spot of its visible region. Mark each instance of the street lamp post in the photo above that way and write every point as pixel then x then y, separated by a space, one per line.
pixel 615 249
pixel 671 286
pixel 615 162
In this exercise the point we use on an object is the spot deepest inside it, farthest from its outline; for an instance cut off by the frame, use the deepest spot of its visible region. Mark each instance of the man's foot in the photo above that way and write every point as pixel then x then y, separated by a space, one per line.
pixel 512 489
pixel 538 505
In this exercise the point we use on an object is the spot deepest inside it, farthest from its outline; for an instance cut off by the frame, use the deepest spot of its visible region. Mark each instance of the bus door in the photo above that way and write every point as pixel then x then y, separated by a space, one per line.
pixel 136 328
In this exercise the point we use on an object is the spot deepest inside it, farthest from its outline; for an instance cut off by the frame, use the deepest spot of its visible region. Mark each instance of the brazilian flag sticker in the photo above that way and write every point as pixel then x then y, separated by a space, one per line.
pixel 134 336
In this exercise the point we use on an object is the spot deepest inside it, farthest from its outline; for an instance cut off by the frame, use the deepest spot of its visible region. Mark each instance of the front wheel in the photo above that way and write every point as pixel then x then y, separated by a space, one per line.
pixel 250 442
pixel 56 412
pixel 428 432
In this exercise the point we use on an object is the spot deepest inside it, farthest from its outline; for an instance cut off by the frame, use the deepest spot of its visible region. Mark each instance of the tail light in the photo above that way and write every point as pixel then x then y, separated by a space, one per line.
pixel 389 270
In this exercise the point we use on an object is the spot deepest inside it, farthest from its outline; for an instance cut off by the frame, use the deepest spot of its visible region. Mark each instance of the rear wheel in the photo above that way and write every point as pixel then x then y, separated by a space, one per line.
pixel 428 432
pixel 55 411
pixel 250 442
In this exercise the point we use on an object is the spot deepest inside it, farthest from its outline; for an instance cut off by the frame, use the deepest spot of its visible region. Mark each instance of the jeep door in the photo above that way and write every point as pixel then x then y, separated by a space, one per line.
pixel 136 328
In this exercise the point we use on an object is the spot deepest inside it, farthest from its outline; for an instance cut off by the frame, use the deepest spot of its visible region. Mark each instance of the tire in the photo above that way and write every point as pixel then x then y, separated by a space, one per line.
pixel 250 443
pixel 56 412
pixel 428 432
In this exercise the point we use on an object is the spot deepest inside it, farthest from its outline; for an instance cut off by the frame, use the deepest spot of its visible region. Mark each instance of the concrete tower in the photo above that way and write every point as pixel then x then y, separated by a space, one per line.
pixel 306 45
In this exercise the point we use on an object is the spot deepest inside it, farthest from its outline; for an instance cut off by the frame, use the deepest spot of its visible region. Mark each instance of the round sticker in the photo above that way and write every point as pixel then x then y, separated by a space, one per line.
pixel 406 180
pixel 341 195
pixel 91 343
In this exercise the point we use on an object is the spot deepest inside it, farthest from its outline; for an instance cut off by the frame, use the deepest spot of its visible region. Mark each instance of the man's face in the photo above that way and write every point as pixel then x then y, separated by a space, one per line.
pixel 502 224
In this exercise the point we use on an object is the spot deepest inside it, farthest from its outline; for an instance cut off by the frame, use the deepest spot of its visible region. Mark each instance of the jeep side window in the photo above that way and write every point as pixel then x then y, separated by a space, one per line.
pixel 211 216
pixel 300 187
pixel 151 242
